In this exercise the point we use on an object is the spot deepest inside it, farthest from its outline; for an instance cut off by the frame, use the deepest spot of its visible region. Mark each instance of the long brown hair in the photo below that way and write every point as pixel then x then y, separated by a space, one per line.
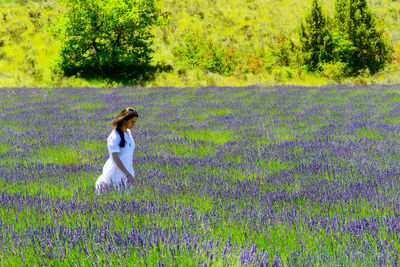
pixel 125 115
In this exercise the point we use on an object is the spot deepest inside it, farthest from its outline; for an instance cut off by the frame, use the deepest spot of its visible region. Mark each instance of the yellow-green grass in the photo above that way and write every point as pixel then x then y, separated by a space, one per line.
pixel 253 28
pixel 210 135
pixel 188 150
pixel 4 147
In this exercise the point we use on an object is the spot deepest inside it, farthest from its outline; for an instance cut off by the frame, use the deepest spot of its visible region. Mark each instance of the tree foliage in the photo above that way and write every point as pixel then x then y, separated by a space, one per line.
pixel 354 39
pixel 197 52
pixel 106 38
pixel 372 50
pixel 313 35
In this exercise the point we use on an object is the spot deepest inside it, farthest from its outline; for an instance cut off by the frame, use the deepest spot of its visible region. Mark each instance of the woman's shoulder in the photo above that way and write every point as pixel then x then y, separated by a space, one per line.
pixel 113 131
pixel 113 134
pixel 130 132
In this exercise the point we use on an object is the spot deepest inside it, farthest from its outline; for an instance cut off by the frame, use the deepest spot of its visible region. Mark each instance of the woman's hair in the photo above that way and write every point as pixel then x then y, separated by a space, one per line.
pixel 125 115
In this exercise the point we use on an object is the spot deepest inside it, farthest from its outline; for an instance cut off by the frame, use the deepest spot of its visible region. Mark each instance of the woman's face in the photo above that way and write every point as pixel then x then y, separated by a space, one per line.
pixel 130 123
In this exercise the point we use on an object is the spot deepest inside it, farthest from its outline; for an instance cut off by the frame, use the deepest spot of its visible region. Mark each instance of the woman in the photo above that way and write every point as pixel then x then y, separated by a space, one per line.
pixel 118 170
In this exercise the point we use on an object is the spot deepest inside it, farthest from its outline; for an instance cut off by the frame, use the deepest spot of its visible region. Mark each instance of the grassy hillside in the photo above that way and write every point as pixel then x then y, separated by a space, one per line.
pixel 253 31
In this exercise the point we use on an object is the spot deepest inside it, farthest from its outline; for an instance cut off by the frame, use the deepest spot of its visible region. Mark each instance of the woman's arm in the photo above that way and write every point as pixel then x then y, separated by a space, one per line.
pixel 120 165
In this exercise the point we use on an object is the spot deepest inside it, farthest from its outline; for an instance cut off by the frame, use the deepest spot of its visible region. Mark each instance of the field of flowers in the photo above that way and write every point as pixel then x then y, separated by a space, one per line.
pixel 225 176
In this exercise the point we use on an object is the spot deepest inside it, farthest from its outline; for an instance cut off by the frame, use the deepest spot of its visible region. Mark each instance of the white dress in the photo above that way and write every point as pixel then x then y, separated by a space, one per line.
pixel 112 175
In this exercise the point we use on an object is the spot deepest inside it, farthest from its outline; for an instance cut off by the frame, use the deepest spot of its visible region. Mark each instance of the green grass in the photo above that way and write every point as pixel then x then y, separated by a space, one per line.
pixel 209 135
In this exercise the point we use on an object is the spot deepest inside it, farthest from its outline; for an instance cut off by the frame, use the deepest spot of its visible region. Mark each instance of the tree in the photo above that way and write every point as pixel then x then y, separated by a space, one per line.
pixel 313 35
pixel 356 22
pixel 341 16
pixel 106 38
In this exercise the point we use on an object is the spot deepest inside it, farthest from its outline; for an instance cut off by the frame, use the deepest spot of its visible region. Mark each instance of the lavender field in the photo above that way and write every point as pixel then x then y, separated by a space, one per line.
pixel 225 176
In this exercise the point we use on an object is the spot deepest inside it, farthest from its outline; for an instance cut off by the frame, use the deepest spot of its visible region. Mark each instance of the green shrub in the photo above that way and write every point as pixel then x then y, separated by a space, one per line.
pixel 354 40
pixel 106 38
pixel 283 49
pixel 2 53
pixel 254 64
pixel 15 30
pixel 207 55
pixel 282 74
pixel 356 23
pixel 338 49
pixel 313 33
pixel 334 71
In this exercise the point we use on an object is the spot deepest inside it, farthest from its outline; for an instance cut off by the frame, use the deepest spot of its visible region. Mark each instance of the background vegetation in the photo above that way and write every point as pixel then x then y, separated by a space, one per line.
pixel 204 42
pixel 107 39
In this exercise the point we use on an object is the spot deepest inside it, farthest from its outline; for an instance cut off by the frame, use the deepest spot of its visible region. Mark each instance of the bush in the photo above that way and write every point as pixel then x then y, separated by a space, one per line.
pixel 106 38
pixel 354 39
pixel 356 21
pixel 282 49
pixel 334 71
pixel 338 49
pixel 313 33
pixel 254 64
pixel 208 56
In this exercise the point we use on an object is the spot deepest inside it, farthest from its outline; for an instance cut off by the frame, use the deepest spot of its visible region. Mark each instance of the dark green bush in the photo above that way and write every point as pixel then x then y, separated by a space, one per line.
pixel 338 49
pixel 354 39
pixel 357 22
pixel 106 38
pixel 313 35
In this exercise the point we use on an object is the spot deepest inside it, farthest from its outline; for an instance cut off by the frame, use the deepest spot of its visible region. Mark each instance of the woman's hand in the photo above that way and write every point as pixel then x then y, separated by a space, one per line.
pixel 130 178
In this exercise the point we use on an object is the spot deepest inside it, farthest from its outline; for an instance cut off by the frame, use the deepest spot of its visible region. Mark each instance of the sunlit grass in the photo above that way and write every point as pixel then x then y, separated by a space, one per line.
pixel 253 28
